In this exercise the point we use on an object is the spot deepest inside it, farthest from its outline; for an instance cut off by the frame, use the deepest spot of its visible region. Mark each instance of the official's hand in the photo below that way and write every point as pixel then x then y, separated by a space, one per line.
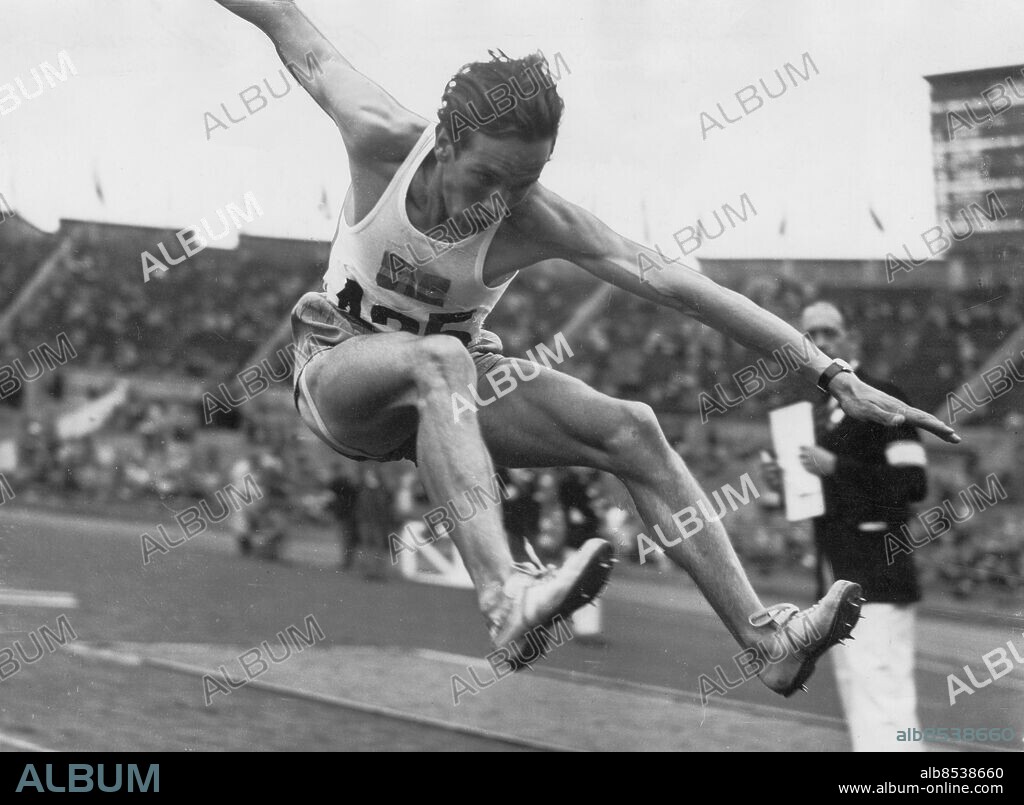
pixel 818 461
pixel 867 403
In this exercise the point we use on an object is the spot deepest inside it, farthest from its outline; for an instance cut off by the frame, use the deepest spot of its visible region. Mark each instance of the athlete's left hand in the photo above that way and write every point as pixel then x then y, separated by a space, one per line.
pixel 867 403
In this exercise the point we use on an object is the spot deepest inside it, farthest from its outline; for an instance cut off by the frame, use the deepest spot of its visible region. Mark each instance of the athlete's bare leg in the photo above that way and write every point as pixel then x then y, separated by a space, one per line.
pixel 556 420
pixel 372 393
pixel 383 388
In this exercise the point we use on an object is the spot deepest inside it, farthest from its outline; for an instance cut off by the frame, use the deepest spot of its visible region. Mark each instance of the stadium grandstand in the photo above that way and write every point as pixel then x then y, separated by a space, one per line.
pixel 144 373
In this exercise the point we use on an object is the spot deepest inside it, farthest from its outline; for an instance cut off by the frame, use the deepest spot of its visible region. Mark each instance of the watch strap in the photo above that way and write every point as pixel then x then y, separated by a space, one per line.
pixel 834 369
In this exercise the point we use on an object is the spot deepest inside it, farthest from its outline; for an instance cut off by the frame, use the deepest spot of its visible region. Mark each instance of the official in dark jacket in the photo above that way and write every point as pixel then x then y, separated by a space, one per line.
pixel 871 475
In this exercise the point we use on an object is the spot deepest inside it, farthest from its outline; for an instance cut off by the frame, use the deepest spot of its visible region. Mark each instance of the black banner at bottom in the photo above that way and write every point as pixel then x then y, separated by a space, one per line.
pixel 831 775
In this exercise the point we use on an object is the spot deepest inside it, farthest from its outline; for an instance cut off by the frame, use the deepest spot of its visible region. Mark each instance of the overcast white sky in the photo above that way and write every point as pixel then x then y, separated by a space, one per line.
pixel 642 71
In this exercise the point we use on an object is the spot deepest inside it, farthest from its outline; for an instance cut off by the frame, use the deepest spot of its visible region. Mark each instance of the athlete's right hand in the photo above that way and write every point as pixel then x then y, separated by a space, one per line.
pixel 867 403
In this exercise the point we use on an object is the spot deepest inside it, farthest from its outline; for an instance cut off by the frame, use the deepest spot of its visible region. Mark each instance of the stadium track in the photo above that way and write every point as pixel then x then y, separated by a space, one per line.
pixel 390 650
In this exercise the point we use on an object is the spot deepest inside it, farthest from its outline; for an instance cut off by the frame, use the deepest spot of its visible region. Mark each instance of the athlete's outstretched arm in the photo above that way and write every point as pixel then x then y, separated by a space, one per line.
pixel 372 123
pixel 573 234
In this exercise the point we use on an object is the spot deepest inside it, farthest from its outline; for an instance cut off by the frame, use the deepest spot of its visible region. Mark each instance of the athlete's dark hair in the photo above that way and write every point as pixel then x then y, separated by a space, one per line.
pixel 502 98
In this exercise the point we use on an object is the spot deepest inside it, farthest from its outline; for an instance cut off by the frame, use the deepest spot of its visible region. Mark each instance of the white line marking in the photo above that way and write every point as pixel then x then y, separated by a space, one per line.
pixel 321 698
pixel 20 745
pixel 95 653
pixel 765 711
pixel 447 656
pixel 37 598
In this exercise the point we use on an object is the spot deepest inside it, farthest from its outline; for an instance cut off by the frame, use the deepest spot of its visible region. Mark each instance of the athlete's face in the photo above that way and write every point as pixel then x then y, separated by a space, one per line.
pixel 488 167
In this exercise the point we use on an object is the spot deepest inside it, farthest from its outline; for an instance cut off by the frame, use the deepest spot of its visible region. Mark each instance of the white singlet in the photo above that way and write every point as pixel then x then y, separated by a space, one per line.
pixel 389 274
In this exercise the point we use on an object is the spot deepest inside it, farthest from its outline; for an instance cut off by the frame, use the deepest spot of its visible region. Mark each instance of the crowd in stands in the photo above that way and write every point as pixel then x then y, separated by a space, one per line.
pixel 204 317
pixel 200 318
pixel 154 453
pixel 930 340
pixel 19 259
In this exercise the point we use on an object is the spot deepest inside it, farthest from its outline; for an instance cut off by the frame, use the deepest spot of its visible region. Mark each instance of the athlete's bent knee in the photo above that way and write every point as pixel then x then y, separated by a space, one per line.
pixel 442 358
pixel 637 437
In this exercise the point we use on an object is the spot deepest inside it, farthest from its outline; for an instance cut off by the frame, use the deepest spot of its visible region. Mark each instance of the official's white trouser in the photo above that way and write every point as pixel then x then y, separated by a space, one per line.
pixel 875 675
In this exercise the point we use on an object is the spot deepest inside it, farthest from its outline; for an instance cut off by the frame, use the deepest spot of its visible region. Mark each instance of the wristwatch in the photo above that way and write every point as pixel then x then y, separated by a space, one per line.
pixel 836 368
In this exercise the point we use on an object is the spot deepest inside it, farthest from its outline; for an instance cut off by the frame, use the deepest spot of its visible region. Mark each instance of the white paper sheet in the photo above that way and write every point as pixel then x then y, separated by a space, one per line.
pixel 8 455
pixel 793 428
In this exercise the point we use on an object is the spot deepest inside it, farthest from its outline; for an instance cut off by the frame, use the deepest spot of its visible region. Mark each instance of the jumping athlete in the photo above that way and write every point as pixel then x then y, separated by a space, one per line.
pixel 439 219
